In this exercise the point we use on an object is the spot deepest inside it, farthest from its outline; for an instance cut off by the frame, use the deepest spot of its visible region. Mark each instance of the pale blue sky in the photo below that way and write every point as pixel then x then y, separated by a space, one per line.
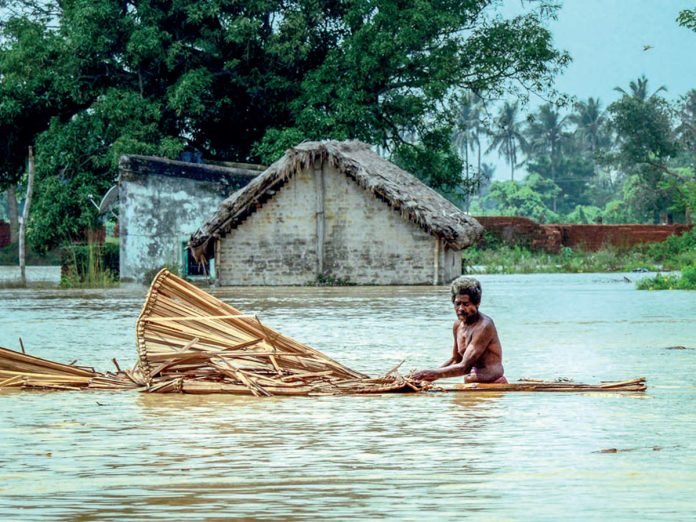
pixel 606 40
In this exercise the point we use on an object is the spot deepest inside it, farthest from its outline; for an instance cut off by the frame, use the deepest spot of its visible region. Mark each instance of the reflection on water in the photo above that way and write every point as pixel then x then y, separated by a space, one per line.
pixel 104 455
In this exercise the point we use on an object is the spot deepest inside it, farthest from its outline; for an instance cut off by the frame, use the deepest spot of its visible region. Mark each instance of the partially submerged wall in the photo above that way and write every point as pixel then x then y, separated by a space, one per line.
pixel 322 222
pixel 526 232
pixel 162 202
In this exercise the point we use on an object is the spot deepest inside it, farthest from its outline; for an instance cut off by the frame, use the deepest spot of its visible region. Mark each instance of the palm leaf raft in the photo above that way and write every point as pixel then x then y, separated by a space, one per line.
pixel 191 342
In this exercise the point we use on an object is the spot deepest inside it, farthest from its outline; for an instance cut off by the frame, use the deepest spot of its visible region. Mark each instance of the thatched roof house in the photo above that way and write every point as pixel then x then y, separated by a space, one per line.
pixel 335 210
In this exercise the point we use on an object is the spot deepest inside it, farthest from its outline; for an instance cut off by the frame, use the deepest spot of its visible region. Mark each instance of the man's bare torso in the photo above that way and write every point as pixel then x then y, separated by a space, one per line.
pixel 488 366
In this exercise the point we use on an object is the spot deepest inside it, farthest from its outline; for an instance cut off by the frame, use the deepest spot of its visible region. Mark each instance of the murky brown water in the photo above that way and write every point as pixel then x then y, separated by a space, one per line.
pixel 525 456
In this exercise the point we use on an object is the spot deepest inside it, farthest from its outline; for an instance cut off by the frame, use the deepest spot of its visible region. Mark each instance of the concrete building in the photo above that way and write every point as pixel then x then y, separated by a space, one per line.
pixel 161 202
pixel 335 212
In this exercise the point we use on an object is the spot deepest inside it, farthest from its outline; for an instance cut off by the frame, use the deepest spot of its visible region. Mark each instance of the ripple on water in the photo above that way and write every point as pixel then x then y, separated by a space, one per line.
pixel 503 456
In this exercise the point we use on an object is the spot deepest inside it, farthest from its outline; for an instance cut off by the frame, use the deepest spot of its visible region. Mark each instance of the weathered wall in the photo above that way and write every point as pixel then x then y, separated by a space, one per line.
pixel 162 203
pixel 365 240
pixel 594 237
pixel 524 231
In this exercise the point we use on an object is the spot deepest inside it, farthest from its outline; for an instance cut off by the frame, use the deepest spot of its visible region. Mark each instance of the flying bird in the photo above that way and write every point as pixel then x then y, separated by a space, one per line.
pixel 647 47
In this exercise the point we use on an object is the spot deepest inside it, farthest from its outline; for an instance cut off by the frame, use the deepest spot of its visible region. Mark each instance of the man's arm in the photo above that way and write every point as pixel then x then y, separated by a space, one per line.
pixel 476 347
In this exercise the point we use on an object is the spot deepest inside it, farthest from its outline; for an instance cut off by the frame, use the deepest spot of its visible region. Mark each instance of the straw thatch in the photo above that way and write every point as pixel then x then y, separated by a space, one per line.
pixel 19 370
pixel 399 189
pixel 189 341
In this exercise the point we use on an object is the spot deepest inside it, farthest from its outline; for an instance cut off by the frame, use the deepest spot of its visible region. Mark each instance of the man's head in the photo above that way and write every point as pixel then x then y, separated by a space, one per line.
pixel 466 297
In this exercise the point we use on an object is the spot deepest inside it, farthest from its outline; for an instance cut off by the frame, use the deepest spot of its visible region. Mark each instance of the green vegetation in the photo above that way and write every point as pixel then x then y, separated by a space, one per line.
pixel 90 266
pixel 676 253
pixel 9 256
pixel 433 85
pixel 685 281
pixel 522 260
pixel 327 279
pixel 85 81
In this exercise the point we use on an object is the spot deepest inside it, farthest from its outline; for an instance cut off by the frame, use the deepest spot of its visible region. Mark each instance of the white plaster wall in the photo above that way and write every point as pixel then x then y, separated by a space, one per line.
pixel 156 213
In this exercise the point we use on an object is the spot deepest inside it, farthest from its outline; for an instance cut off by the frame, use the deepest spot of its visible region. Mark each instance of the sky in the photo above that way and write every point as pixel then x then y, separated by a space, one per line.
pixel 606 39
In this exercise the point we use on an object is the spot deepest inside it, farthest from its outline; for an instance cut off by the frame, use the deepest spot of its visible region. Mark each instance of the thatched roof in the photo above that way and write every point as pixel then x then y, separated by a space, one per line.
pixel 399 189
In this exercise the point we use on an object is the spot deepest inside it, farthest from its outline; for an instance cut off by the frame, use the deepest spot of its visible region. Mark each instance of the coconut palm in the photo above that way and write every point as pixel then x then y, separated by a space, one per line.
pixel 506 136
pixel 639 89
pixel 546 132
pixel 463 136
pixel 589 119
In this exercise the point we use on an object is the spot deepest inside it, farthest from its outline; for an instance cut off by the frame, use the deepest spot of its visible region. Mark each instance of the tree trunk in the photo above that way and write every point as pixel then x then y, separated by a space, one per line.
pixel 13 211
pixel 25 219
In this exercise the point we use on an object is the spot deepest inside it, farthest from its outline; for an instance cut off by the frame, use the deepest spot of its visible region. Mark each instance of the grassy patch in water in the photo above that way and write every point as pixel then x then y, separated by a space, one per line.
pixel 90 266
pixel 520 260
pixel 685 281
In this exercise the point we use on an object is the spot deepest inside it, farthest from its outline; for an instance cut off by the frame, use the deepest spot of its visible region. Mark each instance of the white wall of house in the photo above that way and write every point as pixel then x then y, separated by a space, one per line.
pixel 161 203
pixel 321 221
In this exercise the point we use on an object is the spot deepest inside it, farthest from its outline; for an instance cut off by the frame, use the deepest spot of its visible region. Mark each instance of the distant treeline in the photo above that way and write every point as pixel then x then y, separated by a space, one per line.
pixel 632 161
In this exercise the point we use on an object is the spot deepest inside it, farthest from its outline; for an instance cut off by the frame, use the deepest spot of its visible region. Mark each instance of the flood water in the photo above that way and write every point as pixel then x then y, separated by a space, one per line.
pixel 515 456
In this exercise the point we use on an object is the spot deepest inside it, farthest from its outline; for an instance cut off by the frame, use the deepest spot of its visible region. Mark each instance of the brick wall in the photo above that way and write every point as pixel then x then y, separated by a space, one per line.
pixel 365 240
pixel 526 232
pixel 594 237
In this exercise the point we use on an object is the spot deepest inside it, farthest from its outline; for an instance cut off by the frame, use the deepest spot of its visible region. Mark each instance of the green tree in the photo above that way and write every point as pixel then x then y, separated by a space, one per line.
pixel 507 137
pixel 242 80
pixel 467 138
pixel 646 144
pixel 513 198
pixel 638 89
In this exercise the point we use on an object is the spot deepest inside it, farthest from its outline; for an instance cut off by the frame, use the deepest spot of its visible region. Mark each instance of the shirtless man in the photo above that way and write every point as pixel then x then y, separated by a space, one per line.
pixel 477 354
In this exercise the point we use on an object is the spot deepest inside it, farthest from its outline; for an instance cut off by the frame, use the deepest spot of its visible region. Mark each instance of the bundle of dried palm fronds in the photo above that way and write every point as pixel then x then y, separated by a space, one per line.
pixel 19 370
pixel 189 341
pixel 192 342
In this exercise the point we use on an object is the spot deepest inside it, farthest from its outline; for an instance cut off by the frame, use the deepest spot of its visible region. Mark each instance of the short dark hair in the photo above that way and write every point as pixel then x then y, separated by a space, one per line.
pixel 467 286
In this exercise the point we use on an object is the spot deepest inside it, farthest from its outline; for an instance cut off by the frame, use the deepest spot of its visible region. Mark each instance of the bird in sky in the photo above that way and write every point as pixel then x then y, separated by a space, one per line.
pixel 647 47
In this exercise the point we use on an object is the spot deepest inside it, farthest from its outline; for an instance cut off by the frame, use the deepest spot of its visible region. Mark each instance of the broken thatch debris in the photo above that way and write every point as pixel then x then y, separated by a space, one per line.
pixel 190 342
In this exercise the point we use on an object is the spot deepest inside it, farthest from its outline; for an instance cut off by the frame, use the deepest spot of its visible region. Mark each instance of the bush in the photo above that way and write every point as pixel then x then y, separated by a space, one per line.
pixel 92 265
pixel 685 281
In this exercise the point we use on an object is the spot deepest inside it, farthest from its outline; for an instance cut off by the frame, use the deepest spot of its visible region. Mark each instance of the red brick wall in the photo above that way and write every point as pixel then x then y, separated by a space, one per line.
pixel 594 237
pixel 524 231
pixel 4 234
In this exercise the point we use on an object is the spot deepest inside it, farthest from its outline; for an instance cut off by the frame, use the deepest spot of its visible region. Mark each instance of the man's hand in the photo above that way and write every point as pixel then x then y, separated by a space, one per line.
pixel 425 375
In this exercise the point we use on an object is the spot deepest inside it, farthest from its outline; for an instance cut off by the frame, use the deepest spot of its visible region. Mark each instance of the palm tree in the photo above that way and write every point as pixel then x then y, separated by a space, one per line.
pixel 463 136
pixel 639 89
pixel 589 119
pixel 547 137
pixel 507 137
pixel 546 132
pixel 467 137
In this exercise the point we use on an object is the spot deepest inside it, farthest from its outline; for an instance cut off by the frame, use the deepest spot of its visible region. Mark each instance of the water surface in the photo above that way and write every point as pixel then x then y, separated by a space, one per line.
pixel 515 456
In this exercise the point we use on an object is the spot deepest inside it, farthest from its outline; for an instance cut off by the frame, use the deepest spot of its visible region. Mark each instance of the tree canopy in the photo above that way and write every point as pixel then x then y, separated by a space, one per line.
pixel 87 80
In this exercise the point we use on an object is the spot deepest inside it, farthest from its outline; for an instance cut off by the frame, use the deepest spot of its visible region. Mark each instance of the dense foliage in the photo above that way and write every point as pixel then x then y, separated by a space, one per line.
pixel 87 80
pixel 630 162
